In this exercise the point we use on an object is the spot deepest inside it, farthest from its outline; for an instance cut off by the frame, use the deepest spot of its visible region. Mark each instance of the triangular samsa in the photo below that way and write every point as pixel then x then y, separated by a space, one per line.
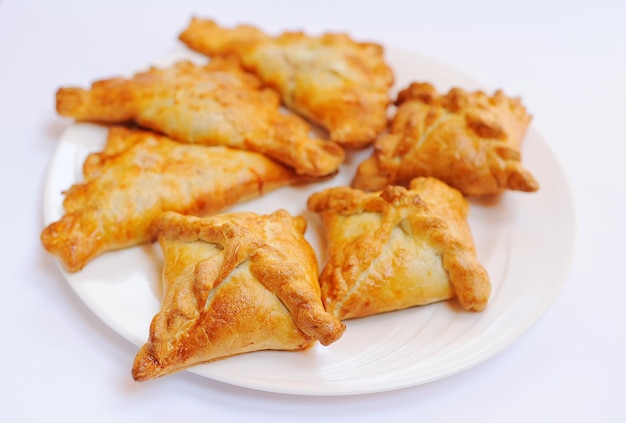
pixel 234 283
pixel 398 248
pixel 338 83
pixel 216 104
pixel 141 174
pixel 471 141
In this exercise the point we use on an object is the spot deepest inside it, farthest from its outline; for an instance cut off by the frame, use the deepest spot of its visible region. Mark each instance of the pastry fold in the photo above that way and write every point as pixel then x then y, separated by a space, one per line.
pixel 338 83
pixel 215 104
pixel 233 283
pixel 471 141
pixel 398 248
pixel 140 174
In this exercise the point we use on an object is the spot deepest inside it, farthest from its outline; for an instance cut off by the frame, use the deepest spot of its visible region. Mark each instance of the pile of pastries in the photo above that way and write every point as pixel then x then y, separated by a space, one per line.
pixel 188 141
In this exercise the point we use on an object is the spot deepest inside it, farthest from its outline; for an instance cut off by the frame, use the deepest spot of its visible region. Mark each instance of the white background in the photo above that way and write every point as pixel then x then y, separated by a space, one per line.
pixel 567 60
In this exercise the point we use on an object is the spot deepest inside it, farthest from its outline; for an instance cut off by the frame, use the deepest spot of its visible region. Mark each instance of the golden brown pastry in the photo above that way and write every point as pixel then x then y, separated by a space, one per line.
pixel 140 174
pixel 233 283
pixel 398 248
pixel 217 104
pixel 471 141
pixel 335 82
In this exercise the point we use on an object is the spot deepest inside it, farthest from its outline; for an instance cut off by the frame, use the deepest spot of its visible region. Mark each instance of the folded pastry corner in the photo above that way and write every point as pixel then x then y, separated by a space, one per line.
pixel 140 174
pixel 234 283
pixel 215 104
pixel 336 82
pixel 398 248
pixel 471 141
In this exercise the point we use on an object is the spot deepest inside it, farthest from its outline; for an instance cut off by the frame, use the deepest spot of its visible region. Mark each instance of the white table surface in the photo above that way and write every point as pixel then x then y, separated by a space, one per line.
pixel 567 60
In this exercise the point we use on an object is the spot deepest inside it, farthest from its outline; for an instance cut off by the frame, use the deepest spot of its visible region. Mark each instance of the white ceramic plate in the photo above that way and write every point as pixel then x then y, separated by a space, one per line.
pixel 524 240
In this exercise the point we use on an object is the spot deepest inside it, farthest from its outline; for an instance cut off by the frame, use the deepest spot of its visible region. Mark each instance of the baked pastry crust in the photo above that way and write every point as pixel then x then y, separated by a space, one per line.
pixel 216 104
pixel 471 141
pixel 140 174
pixel 398 248
pixel 233 283
pixel 333 81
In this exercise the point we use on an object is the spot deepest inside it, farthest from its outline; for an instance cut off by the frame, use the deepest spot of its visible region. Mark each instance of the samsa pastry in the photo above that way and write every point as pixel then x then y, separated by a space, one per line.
pixel 140 174
pixel 471 141
pixel 216 104
pixel 398 248
pixel 339 84
pixel 234 283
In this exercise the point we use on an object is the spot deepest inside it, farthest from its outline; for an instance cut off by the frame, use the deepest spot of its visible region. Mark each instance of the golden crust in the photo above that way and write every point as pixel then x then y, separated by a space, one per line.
pixel 234 283
pixel 140 174
pixel 398 248
pixel 333 81
pixel 471 141
pixel 217 104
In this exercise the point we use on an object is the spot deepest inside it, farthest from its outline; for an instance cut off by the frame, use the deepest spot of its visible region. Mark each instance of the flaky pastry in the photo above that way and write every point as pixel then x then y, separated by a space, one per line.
pixel 140 174
pixel 398 248
pixel 216 104
pixel 335 82
pixel 471 141
pixel 234 283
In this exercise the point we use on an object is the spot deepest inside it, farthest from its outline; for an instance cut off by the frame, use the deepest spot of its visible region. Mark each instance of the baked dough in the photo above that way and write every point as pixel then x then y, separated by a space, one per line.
pixel 398 248
pixel 335 82
pixel 471 141
pixel 140 174
pixel 234 283
pixel 216 104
